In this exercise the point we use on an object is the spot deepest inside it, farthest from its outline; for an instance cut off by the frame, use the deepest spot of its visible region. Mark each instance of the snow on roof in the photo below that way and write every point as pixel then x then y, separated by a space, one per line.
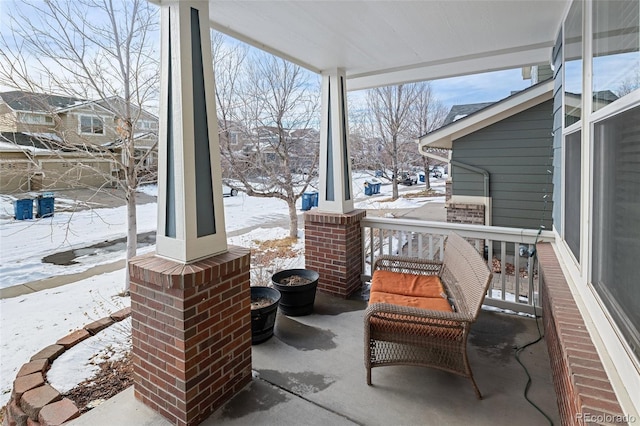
pixel 13 147
pixel 51 136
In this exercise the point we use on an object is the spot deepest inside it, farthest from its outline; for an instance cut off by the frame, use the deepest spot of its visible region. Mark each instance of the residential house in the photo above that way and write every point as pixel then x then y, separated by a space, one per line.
pixel 56 142
pixel 460 111
pixel 300 145
pixel 501 159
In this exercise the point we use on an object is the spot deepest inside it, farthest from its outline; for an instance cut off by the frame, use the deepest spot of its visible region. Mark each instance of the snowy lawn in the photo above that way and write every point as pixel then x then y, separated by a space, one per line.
pixel 34 321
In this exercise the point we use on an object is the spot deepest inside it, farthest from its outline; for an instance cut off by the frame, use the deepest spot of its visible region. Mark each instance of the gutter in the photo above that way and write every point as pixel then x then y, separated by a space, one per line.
pixel 432 155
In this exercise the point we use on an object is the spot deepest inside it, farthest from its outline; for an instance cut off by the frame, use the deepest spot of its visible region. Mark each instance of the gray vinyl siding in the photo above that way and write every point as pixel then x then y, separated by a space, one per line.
pixel 517 154
pixel 557 134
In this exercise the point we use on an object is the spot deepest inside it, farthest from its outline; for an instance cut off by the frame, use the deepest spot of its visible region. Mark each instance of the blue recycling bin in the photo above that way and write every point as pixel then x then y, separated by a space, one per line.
pixel 421 176
pixel 307 200
pixel 45 206
pixel 23 209
pixel 376 186
pixel 314 199
pixel 368 188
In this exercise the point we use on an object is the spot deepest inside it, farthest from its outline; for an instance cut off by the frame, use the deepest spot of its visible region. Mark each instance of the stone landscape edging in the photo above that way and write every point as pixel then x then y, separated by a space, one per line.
pixel 34 401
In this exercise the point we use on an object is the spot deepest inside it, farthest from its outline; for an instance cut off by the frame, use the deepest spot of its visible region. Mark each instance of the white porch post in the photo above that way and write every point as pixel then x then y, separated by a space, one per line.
pixel 333 237
pixel 178 293
pixel 190 209
pixel 336 192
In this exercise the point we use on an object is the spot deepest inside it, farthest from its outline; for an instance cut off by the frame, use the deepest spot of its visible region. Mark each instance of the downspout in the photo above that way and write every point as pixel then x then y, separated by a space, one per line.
pixel 485 175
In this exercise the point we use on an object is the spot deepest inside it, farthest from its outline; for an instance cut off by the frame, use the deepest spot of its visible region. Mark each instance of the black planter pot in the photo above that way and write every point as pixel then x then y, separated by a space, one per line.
pixel 297 300
pixel 263 319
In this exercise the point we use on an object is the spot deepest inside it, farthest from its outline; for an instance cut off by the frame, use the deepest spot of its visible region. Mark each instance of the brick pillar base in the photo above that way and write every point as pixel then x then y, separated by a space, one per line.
pixel 465 213
pixel 333 248
pixel 191 327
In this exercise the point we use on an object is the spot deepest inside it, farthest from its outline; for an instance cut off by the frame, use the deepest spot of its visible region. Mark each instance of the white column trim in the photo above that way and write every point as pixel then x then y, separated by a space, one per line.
pixel 334 146
pixel 176 35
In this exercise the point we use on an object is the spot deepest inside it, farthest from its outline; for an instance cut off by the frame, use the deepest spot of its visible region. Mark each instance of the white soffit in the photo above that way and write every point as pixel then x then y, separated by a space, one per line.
pixel 390 42
pixel 512 105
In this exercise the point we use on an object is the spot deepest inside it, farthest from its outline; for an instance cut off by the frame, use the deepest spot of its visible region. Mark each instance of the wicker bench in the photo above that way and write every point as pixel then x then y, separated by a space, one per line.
pixel 420 311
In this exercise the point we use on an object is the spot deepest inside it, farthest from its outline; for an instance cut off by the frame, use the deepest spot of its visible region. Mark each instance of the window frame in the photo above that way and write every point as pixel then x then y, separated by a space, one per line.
pixel 608 337
pixel 92 132
pixel 592 224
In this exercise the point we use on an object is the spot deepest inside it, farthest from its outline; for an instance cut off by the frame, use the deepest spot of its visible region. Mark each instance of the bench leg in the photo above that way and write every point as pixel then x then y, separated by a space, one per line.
pixel 475 387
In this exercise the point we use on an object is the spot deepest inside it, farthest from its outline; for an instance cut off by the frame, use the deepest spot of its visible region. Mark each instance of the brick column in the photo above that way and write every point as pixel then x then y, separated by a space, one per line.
pixel 191 326
pixel 333 248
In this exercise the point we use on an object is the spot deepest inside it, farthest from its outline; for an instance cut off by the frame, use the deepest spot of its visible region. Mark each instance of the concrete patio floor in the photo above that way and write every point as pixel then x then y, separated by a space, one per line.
pixel 312 373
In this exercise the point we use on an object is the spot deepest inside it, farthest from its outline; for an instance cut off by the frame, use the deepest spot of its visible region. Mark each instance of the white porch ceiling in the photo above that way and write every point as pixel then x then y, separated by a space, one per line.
pixel 388 42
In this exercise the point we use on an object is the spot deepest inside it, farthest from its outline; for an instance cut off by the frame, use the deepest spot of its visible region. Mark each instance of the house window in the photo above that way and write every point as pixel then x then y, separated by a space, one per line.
pixel 233 138
pixel 572 188
pixel 34 118
pixel 616 209
pixel 91 125
pixel 573 65
pixel 146 125
pixel 616 50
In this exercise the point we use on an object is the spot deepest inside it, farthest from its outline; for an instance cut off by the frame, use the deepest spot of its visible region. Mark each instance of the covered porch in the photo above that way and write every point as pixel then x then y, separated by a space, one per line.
pixel 189 302
pixel 312 373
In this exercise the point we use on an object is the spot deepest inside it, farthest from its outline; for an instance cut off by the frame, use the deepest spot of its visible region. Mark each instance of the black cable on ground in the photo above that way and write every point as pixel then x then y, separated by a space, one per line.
pixel 517 352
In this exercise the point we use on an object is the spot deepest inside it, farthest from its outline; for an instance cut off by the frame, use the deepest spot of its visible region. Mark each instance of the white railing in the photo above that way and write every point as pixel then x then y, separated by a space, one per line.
pixel 508 251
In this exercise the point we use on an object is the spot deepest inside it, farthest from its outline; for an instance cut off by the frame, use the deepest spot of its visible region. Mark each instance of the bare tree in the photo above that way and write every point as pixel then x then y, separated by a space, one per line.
pixel 229 59
pixel 429 114
pixel 273 111
pixel 629 84
pixel 101 50
pixel 391 116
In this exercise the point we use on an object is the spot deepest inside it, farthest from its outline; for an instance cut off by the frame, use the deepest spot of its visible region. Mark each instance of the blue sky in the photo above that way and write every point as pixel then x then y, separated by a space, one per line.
pixel 487 87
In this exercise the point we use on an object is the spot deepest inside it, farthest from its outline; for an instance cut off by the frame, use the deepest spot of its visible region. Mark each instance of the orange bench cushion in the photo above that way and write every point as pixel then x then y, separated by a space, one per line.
pixel 407 284
pixel 433 303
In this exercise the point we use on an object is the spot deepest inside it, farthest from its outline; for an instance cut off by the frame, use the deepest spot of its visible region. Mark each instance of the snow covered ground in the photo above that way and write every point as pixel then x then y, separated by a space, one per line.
pixel 33 321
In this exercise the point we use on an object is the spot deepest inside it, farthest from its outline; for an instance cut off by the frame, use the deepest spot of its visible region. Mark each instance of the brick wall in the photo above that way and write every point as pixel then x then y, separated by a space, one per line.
pixel 448 189
pixel 191 327
pixel 465 213
pixel 333 248
pixel 584 393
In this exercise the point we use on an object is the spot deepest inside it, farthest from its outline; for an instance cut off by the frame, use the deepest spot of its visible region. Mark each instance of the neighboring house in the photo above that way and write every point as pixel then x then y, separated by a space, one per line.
pixel 501 160
pixel 458 112
pixel 28 164
pixel 58 136
pixel 301 146
pixel 232 135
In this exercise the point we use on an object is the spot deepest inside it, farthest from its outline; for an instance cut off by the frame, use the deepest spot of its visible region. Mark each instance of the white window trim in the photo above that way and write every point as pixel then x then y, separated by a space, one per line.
pixel 26 114
pixel 619 362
